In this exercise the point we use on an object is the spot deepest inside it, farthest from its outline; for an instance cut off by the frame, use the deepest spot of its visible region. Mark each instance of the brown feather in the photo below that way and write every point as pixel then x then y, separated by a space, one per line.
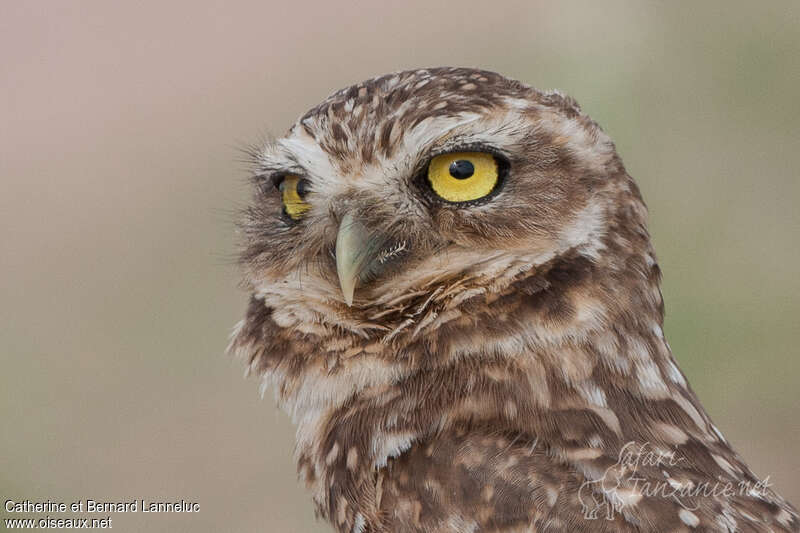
pixel 508 373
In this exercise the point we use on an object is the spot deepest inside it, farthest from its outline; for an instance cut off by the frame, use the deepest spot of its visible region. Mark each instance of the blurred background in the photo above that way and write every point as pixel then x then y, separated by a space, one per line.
pixel 121 176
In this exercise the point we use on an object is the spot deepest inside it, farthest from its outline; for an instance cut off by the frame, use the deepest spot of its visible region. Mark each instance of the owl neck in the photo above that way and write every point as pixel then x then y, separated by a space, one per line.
pixel 571 358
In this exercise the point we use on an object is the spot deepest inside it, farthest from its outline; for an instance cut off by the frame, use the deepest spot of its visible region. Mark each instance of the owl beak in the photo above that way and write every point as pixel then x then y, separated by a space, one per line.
pixel 356 249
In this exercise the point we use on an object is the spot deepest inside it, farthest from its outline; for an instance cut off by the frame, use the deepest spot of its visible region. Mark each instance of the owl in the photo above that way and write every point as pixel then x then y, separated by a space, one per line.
pixel 454 295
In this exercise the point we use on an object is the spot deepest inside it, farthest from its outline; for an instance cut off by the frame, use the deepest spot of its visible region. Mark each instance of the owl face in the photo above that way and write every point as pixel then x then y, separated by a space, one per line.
pixel 405 186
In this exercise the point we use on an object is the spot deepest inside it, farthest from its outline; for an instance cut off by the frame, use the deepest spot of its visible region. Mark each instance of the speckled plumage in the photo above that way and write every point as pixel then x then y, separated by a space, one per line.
pixel 501 370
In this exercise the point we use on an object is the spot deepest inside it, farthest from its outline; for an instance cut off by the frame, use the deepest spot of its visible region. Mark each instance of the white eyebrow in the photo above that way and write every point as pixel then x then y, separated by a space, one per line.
pixel 302 153
pixel 501 131
pixel 435 130
pixel 273 158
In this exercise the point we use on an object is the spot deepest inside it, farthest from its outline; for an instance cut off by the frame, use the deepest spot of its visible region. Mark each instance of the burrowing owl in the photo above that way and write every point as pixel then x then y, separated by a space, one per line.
pixel 455 296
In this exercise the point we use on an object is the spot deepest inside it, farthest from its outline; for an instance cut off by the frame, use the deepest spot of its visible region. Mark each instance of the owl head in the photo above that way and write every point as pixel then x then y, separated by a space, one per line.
pixel 449 254
pixel 422 189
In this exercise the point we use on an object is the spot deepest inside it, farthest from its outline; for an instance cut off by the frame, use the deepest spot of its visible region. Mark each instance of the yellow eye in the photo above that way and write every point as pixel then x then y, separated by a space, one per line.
pixel 293 189
pixel 463 176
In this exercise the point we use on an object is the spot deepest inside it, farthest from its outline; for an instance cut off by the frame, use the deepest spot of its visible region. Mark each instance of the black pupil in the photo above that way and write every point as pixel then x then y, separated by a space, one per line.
pixel 302 188
pixel 461 169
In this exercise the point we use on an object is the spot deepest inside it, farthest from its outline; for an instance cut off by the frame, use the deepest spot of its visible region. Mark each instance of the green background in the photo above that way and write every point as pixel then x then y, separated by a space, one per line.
pixel 121 176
